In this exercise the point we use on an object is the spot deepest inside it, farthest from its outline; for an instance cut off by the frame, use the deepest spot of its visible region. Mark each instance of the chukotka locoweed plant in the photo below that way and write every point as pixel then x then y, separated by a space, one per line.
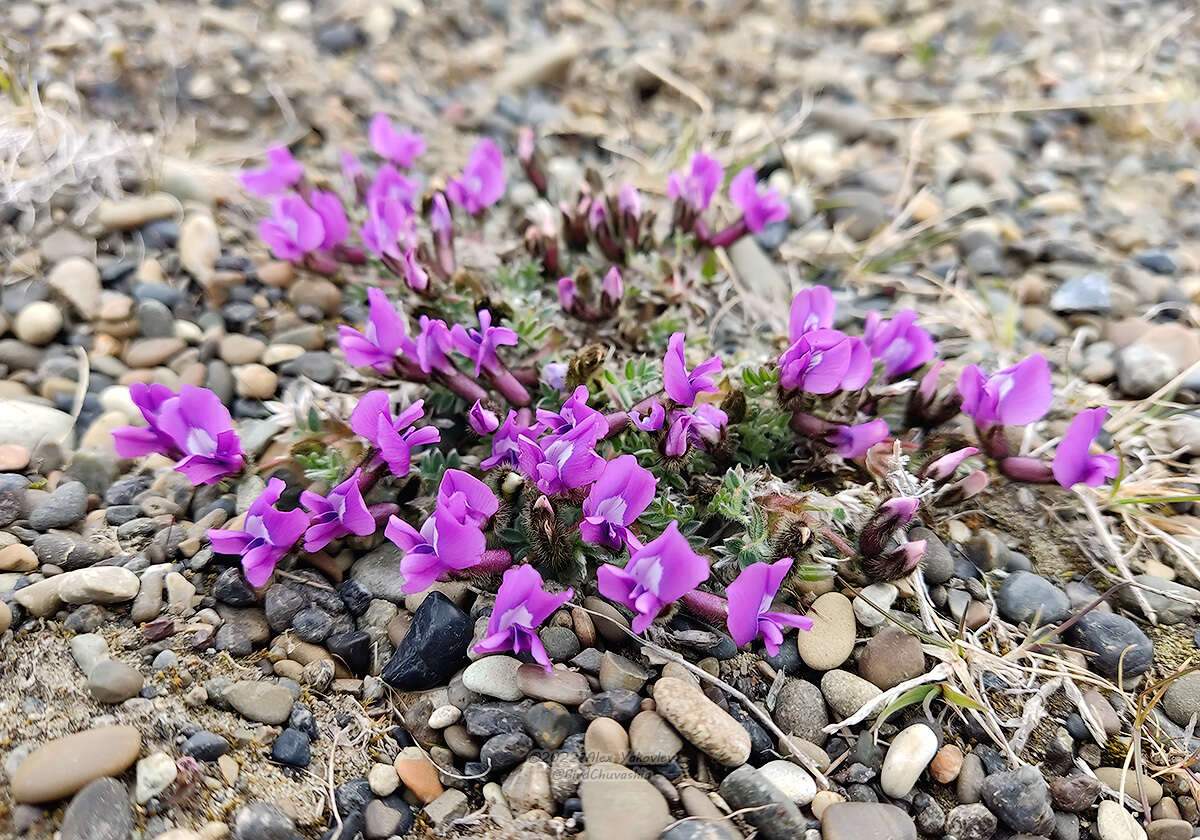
pixel 654 484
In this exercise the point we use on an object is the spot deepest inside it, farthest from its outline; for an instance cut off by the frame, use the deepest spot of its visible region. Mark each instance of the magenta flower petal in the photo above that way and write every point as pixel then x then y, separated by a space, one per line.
pixel 616 500
pixel 478 502
pixel 482 181
pixel 281 174
pixel 400 147
pixel 568 292
pixel 759 208
pixel 373 421
pixel 822 361
pixel 293 230
pixel 506 441
pixel 899 343
pixel 479 345
pixel 657 574
pixel 267 534
pixel 697 187
pixel 522 605
pixel 854 441
pixel 629 201
pixel 812 309
pixel 750 597
pixel 383 337
pixel 653 421
pixel 1073 461
pixel 681 385
pixel 337 514
pixel 1015 396
pixel 444 544
pixel 334 226
pixel 482 421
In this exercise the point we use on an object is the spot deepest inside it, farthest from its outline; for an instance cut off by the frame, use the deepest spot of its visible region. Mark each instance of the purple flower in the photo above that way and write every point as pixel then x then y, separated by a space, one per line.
pixel 574 412
pixel 653 421
pixel 136 441
pixel 617 498
pixel 812 309
pixel 482 181
pixel 293 230
pixel 682 386
pixel 432 343
pixel 479 503
pixel 899 343
pixel 393 187
pixel 388 225
pixel 823 361
pixel 659 573
pixel 758 208
pixel 612 288
pixel 560 463
pixel 1073 463
pixel 334 226
pixel 266 536
pixel 481 420
pixel 597 215
pixel 854 441
pixel 505 443
pixel 554 374
pixel 415 276
pixel 568 292
pixel 383 337
pixel 696 188
pixel 699 427
pixel 447 542
pixel 373 421
pixel 400 147
pixel 440 221
pixel 352 168
pixel 750 597
pixel 1015 396
pixel 337 514
pixel 629 201
pixel 522 604
pixel 479 345
pixel 281 174
pixel 193 425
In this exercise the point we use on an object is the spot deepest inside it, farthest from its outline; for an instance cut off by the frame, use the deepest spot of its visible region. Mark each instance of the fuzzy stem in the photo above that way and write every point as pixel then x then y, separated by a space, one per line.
pixel 706 605
pixel 725 238
pixel 463 385
pixel 494 562
pixel 1027 469
pixel 508 385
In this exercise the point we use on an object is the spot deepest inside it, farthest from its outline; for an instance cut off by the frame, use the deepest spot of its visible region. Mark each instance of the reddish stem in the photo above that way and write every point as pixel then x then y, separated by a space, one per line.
pixel 494 562
pixel 1027 469
pixel 461 384
pixel 509 386
pixel 725 238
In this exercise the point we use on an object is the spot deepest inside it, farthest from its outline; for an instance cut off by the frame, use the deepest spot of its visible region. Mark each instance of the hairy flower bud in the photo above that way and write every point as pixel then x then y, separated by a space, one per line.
pixel 895 564
pixel 891 516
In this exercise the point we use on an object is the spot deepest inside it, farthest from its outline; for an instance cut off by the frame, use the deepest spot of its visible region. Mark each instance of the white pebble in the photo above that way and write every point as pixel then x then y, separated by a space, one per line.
pixel 444 716
pixel 909 755
pixel 882 595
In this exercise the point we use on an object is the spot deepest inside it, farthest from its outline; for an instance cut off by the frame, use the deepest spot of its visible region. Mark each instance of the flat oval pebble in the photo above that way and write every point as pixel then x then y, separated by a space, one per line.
pixel 494 676
pixel 1115 823
pixel 791 780
pixel 862 820
pixel 907 757
pixel 618 804
pixel 881 597
pixel 846 693
pixel 562 686
pixel 63 766
pixel 702 722
pixel 831 640
pixel 98 585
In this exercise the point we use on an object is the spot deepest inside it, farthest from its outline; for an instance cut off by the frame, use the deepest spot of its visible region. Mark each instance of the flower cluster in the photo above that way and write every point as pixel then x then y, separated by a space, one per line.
pixel 577 485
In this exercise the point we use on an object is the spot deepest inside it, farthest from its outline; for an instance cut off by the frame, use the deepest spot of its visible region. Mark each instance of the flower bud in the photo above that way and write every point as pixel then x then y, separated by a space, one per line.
pixel 890 517
pixel 943 468
pixel 895 564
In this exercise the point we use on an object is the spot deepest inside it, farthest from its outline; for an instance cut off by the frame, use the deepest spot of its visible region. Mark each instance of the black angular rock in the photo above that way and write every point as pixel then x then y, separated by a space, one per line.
pixel 434 647
pixel 1109 635
pixel 292 747
pixel 353 648
pixel 352 796
pixel 760 742
pixel 548 724
pixel 312 625
pixel 263 821
pixel 1024 597
pixel 303 720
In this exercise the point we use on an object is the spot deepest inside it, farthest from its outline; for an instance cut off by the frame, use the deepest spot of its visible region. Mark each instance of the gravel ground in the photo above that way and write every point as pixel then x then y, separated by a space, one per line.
pixel 1024 175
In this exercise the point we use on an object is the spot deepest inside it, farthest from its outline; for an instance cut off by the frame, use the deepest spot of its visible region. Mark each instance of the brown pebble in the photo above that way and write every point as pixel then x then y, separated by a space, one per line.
pixel 585 629
pixel 60 767
pixel 946 764
pixel 418 774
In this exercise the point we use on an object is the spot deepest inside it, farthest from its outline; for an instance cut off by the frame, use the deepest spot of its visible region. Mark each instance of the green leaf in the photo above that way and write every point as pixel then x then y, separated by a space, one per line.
pixel 957 699
pixel 909 698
